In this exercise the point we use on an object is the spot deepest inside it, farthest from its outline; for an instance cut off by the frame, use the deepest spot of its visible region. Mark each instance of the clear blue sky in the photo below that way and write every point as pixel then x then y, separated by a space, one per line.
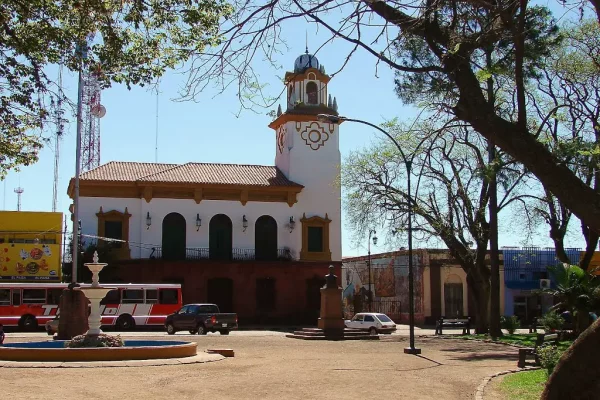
pixel 209 131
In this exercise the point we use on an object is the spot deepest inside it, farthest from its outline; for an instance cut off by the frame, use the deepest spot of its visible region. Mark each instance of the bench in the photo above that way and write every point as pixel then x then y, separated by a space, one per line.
pixel 444 322
pixel 532 351
pixel 535 326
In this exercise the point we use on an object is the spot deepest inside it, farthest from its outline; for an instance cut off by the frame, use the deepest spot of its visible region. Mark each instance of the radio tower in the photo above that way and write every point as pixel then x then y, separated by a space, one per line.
pixel 92 112
pixel 59 133
pixel 19 191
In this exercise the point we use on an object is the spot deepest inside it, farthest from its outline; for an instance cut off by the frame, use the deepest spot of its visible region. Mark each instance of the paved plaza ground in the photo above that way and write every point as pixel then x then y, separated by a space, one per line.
pixel 269 366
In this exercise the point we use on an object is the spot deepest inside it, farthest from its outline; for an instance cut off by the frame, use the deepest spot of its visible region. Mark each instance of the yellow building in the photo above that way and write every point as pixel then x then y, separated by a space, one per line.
pixel 30 246
pixel 594 262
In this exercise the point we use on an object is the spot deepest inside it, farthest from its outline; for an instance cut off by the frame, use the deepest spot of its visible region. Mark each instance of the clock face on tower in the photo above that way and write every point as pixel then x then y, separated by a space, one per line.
pixel 281 138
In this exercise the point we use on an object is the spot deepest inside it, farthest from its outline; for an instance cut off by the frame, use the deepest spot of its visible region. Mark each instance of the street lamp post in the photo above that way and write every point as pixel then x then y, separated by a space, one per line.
pixel 82 49
pixel 334 119
pixel 370 292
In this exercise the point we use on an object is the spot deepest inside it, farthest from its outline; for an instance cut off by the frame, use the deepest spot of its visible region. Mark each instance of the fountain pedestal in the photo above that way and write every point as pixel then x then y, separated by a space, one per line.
pixel 95 293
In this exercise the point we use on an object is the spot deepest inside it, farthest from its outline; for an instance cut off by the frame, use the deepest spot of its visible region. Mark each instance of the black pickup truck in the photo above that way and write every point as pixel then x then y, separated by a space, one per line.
pixel 201 319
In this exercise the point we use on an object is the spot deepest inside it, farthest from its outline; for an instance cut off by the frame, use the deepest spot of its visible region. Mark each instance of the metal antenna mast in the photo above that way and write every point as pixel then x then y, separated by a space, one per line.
pixel 59 133
pixel 156 140
pixel 92 112
pixel 19 191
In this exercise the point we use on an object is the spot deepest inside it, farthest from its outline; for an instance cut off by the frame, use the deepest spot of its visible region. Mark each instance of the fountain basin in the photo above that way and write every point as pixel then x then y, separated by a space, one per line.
pixel 133 350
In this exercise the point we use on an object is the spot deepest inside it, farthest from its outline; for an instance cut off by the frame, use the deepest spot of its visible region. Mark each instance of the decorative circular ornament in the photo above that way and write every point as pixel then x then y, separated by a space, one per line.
pixel 314 135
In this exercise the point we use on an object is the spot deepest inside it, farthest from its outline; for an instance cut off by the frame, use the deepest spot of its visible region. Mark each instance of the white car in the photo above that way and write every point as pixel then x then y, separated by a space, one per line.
pixel 375 323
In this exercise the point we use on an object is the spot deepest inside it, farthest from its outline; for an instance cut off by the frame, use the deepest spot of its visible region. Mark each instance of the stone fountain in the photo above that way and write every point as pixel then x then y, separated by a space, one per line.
pixel 131 350
pixel 95 293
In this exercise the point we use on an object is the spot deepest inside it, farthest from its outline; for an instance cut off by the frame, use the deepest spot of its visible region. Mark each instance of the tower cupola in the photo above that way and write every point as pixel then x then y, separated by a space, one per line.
pixel 304 62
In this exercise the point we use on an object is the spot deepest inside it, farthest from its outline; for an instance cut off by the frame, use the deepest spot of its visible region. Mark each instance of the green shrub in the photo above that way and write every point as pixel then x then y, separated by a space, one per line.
pixel 511 324
pixel 102 340
pixel 551 321
pixel 549 356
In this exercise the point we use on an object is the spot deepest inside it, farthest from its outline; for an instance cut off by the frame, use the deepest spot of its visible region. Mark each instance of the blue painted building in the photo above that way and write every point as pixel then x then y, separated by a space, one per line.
pixel 525 273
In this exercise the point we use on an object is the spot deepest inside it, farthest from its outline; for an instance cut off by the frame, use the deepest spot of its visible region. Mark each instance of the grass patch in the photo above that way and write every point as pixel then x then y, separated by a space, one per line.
pixel 523 339
pixel 527 385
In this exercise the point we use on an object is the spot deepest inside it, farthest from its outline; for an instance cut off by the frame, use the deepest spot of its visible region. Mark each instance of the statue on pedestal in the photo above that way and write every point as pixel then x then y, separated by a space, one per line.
pixel 331 279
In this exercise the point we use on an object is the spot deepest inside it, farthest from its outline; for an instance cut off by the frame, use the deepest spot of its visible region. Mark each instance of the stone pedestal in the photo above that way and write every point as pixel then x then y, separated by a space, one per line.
pixel 73 319
pixel 331 310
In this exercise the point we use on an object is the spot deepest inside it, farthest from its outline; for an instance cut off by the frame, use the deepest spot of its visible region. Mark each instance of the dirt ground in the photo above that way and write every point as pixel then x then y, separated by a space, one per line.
pixel 275 367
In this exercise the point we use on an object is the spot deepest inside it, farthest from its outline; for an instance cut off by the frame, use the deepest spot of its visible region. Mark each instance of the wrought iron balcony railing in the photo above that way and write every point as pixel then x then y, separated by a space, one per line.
pixel 235 254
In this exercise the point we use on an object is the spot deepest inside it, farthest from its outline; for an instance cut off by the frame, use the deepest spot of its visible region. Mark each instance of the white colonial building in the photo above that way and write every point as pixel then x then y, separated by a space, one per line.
pixel 258 239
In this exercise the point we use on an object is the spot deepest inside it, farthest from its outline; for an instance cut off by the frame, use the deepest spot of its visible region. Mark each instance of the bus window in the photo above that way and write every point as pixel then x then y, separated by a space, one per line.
pixel 4 297
pixel 151 296
pixel 133 296
pixel 16 297
pixel 34 296
pixel 54 296
pixel 168 296
pixel 112 297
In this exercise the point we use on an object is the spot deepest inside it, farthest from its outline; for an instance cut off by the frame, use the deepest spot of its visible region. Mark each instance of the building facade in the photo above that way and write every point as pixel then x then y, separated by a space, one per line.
pixel 31 246
pixel 525 274
pixel 257 240
pixel 440 285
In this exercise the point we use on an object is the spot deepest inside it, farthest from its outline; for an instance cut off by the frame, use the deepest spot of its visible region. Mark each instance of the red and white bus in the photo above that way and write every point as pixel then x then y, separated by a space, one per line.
pixel 29 305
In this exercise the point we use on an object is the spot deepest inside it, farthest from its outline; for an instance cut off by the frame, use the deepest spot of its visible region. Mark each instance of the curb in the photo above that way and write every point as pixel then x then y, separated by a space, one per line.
pixel 486 380
pixel 200 358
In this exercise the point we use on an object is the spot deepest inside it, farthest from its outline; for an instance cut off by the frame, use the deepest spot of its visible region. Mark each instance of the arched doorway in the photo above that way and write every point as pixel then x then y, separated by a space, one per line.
pixel 220 292
pixel 453 296
pixel 265 238
pixel 173 237
pixel 220 237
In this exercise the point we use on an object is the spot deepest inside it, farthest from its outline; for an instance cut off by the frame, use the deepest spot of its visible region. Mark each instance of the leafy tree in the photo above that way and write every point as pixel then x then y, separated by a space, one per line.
pixel 577 291
pixel 131 42
pixel 439 44
pixel 449 202
pixel 566 98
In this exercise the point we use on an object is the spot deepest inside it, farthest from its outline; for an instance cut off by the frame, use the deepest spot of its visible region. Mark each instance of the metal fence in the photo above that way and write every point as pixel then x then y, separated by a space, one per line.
pixel 237 254
pixel 391 308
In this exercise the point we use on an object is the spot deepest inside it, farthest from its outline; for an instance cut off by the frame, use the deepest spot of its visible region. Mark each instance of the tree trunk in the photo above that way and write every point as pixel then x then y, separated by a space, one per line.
pixel 591 240
pixel 481 291
pixel 576 375
pixel 495 328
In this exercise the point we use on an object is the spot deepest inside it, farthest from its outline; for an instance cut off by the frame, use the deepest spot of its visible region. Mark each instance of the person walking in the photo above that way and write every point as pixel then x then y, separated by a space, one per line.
pixel 2 335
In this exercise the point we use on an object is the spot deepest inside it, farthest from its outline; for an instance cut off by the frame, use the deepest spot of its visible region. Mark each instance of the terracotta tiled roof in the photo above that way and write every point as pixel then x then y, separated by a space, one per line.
pixel 195 173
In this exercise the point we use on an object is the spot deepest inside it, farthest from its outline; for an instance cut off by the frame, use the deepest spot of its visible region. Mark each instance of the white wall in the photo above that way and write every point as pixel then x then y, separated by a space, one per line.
pixel 159 208
pixel 318 170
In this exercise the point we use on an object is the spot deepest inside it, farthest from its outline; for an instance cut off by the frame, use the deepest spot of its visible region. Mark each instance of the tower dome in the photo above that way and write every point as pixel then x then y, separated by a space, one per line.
pixel 304 62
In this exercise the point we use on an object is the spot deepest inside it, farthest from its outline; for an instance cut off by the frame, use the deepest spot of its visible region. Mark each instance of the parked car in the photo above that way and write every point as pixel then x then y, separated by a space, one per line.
pixel 52 326
pixel 375 323
pixel 201 319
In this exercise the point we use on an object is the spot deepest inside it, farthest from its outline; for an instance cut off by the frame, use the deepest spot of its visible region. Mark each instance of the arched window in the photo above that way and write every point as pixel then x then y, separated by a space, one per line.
pixel 453 296
pixel 220 237
pixel 312 93
pixel 173 237
pixel 265 238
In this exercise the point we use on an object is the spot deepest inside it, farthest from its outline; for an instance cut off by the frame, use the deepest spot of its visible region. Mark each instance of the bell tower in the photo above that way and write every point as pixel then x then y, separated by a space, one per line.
pixel 307 150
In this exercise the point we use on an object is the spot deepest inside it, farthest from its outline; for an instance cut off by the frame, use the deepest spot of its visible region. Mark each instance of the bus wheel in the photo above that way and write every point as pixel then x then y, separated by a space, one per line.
pixel 28 323
pixel 125 323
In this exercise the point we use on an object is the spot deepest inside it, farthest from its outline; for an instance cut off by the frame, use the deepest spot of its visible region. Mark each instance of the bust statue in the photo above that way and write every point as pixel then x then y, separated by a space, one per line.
pixel 331 279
